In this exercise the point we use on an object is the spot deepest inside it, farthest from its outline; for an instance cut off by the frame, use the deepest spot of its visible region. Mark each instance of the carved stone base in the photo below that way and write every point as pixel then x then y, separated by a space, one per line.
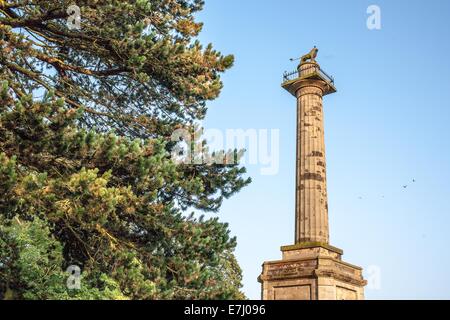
pixel 311 271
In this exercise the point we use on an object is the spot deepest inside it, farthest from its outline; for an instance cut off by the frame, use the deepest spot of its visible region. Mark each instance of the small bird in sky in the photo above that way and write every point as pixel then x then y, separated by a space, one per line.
pixel 414 180
pixel 404 187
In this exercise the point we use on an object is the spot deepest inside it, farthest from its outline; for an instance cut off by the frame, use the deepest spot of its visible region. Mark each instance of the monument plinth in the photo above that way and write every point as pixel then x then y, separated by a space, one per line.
pixel 311 269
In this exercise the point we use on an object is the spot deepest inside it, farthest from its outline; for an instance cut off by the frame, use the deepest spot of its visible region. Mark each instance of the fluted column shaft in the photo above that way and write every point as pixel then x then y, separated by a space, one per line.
pixel 311 183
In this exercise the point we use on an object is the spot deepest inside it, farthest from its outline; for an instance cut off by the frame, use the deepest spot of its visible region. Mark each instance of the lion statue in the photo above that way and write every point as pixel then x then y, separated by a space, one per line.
pixel 310 56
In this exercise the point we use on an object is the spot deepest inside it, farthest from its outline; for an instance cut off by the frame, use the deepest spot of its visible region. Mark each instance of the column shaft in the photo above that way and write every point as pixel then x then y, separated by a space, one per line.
pixel 311 191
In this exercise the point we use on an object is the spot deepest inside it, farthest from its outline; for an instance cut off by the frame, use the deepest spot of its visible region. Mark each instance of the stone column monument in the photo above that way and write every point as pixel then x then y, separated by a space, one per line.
pixel 311 269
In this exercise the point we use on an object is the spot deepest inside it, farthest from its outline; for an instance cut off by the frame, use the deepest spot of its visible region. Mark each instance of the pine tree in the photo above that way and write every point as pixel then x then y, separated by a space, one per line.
pixel 86 173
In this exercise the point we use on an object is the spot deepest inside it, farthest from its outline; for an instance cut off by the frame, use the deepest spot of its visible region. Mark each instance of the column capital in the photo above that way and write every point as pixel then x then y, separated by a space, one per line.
pixel 308 74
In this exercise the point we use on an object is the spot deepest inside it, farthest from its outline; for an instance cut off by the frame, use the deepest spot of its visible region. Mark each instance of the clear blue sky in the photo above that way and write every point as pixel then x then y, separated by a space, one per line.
pixel 387 124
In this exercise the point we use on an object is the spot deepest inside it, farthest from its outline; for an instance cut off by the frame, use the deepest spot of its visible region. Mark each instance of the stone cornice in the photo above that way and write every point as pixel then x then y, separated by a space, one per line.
pixel 312 268
pixel 308 245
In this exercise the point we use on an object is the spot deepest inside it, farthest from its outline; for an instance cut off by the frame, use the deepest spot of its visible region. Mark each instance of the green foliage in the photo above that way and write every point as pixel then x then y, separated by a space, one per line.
pixel 86 175
pixel 31 260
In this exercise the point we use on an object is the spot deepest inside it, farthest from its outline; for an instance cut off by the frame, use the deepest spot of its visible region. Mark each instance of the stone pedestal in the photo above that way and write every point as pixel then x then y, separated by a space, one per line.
pixel 311 272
